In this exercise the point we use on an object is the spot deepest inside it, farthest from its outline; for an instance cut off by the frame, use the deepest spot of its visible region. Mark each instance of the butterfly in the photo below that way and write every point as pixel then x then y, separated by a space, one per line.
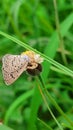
pixel 14 65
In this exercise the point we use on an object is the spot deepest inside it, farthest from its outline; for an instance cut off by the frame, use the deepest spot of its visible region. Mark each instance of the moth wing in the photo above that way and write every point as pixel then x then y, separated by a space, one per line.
pixel 13 67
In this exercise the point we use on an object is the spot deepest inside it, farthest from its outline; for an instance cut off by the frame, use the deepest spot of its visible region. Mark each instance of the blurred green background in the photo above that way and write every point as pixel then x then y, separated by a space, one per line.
pixel 35 22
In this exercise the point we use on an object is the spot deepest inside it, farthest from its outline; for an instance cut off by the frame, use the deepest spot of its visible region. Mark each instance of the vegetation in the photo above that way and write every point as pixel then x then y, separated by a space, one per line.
pixel 43 102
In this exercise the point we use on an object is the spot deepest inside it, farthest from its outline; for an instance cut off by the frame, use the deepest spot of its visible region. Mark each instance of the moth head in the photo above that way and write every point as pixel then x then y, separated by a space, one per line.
pixel 33 57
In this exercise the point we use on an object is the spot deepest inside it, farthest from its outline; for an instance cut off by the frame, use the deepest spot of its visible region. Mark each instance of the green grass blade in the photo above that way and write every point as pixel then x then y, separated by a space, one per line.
pixel 36 101
pixel 40 86
pixel 44 124
pixel 53 101
pixel 51 61
pixel 53 45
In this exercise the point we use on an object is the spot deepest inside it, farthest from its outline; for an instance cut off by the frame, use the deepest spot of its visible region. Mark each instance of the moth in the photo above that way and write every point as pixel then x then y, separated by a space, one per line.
pixel 14 65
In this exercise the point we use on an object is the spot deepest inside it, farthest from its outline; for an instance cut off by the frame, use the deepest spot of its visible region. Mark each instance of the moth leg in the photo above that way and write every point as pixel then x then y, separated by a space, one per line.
pixel 32 66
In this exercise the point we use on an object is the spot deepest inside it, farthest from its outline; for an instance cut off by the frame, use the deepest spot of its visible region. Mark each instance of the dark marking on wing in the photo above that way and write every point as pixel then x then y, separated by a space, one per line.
pixel 12 76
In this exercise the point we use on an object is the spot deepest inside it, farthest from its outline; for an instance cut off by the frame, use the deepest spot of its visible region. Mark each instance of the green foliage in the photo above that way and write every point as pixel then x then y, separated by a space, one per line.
pixel 3 127
pixel 44 102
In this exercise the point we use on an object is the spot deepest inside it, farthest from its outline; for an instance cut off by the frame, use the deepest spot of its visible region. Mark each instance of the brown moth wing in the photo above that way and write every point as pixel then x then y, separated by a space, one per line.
pixel 13 66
